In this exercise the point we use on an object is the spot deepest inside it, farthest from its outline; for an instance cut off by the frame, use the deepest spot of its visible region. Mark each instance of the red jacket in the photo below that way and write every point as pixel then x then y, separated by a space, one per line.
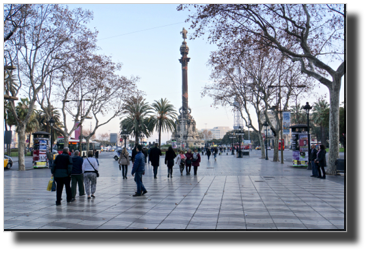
pixel 196 163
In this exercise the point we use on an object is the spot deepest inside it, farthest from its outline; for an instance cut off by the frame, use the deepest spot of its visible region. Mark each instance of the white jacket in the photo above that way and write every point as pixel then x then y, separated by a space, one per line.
pixel 178 159
pixel 86 167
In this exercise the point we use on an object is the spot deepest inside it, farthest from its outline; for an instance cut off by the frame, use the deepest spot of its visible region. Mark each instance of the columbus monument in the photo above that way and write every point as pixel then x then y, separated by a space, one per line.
pixel 186 134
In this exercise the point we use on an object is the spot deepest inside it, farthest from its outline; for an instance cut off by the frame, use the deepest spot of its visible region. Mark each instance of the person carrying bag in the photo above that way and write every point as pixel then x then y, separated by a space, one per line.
pixel 90 170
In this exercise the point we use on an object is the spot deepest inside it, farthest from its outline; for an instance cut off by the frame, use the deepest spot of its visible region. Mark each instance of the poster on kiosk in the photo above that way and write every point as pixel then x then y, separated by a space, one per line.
pixel 39 157
pixel 300 149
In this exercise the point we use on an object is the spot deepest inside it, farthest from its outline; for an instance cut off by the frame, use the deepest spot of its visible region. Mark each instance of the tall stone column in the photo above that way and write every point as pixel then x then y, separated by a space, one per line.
pixel 184 49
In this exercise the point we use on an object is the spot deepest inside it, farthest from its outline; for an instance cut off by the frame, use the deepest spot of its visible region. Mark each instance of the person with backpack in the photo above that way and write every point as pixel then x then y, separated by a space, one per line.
pixel 138 170
pixel 208 153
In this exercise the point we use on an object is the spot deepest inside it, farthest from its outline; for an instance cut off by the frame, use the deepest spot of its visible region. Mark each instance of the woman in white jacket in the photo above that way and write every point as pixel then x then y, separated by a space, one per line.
pixel 180 160
pixel 90 177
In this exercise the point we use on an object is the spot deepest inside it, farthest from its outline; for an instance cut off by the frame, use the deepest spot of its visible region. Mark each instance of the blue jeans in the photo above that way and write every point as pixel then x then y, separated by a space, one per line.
pixel 314 169
pixel 140 185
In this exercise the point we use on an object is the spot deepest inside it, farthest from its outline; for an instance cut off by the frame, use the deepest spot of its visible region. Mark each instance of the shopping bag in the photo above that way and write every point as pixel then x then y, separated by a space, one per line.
pixel 54 185
pixel 50 184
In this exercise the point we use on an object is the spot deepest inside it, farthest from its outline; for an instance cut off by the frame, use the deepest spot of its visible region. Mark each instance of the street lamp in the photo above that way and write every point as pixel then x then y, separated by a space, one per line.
pixel 51 122
pixel 266 125
pixel 307 107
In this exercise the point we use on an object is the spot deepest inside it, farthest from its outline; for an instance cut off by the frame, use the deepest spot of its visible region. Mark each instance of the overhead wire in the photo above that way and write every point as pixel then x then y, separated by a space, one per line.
pixel 141 30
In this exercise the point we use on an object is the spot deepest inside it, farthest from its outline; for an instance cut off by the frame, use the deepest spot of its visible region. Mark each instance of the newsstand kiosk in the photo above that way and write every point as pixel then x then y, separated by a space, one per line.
pixel 299 145
pixel 41 143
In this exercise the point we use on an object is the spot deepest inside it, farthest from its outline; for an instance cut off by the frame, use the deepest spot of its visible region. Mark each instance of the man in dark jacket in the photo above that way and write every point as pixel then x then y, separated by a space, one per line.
pixel 61 170
pixel 134 152
pixel 154 155
pixel 315 173
pixel 77 175
pixel 138 169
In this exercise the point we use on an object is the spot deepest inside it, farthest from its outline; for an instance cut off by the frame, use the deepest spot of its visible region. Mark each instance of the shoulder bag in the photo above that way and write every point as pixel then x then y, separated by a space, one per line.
pixel 94 168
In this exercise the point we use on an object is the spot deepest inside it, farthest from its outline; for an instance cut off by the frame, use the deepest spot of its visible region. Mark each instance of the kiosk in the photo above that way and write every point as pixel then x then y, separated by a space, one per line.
pixel 40 146
pixel 299 145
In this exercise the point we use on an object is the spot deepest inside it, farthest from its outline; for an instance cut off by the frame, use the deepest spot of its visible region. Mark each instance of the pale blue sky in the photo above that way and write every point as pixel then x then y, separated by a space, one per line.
pixel 146 39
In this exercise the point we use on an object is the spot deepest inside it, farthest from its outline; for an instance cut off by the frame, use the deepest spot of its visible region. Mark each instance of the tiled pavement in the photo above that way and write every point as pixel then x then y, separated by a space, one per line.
pixel 229 194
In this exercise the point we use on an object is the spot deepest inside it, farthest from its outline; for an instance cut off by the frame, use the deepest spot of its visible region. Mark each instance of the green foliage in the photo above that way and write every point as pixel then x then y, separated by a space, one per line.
pixel 164 117
pixel 298 115
pixel 138 119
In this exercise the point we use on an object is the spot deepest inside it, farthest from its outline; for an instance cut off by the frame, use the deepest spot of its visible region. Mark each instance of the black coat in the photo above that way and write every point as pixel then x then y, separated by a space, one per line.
pixel 170 155
pixel 154 155
pixel 313 154
pixel 321 158
pixel 134 152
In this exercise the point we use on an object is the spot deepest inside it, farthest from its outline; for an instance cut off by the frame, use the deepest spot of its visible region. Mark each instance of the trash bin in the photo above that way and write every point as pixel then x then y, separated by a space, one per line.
pixel 340 165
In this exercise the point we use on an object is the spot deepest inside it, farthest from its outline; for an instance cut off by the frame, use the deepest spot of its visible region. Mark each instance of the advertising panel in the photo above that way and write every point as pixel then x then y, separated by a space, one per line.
pixel 286 122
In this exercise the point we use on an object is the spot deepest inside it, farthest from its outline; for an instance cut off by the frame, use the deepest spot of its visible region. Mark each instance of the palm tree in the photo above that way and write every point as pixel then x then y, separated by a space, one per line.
pixel 21 110
pixel 298 116
pixel 164 118
pixel 43 119
pixel 138 119
pixel 319 117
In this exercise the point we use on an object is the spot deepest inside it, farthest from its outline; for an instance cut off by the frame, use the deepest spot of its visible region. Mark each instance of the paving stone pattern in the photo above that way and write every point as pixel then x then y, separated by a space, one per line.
pixel 227 194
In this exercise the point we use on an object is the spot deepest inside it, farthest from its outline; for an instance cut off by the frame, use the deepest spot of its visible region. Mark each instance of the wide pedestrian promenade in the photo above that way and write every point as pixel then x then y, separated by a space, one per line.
pixel 227 194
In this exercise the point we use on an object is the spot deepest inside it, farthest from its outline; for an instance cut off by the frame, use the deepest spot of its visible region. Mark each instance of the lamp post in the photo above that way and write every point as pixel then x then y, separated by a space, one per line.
pixel 281 128
pixel 307 107
pixel 266 125
pixel 51 122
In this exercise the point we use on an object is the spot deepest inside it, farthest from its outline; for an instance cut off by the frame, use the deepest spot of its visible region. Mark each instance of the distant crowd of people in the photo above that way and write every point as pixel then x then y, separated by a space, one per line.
pixel 72 171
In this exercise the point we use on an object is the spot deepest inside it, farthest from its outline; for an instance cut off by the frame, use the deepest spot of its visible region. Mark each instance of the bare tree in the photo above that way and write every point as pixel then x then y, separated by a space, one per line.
pixel 312 35
pixel 38 50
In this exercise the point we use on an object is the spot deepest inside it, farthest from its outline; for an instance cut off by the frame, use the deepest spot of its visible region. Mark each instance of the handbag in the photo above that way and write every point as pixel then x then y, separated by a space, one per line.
pixel 97 174
pixel 54 185
pixel 50 184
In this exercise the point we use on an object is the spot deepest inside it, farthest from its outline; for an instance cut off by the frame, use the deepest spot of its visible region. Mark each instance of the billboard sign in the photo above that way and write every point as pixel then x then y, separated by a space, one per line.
pixel 113 138
pixel 285 122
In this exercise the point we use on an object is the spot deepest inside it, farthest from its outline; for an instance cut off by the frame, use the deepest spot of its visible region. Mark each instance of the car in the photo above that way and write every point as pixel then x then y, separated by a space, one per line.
pixel 258 148
pixel 118 151
pixel 8 162
pixel 269 148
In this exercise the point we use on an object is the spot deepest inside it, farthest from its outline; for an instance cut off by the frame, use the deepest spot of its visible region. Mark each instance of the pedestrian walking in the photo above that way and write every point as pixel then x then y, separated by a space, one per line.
pixel 90 170
pixel 145 152
pixel 188 161
pixel 180 160
pixel 208 152
pixel 215 152
pixel 134 152
pixel 149 155
pixel 321 161
pixel 138 170
pixel 154 155
pixel 61 171
pixel 169 160
pixel 77 176
pixel 313 156
pixel 124 161
pixel 50 158
pixel 195 161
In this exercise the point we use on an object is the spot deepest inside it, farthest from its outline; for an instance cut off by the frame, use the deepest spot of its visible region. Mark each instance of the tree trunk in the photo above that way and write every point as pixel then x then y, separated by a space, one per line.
pixel 275 149
pixel 262 146
pixel 21 128
pixel 333 126
pixel 66 141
